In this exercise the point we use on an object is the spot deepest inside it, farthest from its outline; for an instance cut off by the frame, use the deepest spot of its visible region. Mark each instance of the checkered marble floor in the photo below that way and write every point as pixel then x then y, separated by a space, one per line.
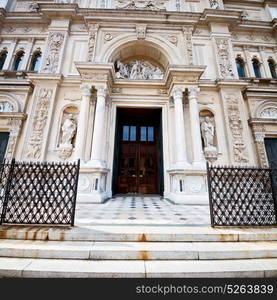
pixel 141 210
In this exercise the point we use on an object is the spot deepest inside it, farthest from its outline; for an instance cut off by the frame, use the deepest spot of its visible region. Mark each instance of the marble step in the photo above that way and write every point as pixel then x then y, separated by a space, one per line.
pixel 54 268
pixel 137 250
pixel 138 233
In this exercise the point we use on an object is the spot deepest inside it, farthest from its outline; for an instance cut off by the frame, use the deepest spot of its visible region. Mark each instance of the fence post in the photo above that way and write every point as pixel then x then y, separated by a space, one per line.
pixel 75 196
pixel 7 191
pixel 209 192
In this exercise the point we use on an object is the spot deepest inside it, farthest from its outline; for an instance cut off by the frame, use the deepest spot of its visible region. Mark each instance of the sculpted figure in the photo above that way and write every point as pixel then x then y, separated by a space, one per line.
pixel 207 130
pixel 69 128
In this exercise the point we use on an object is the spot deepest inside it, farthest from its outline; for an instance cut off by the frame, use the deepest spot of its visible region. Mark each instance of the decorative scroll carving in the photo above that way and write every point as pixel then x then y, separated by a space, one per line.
pixel 187 30
pixel 93 30
pixel 6 106
pixel 142 4
pixel 224 60
pixel 141 32
pixel 138 69
pixel 40 118
pixel 236 127
pixel 55 43
pixel 269 113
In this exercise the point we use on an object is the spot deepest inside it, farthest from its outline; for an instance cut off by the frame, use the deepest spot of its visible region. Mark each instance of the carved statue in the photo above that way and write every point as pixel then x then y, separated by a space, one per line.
pixel 122 70
pixel 69 128
pixel 207 130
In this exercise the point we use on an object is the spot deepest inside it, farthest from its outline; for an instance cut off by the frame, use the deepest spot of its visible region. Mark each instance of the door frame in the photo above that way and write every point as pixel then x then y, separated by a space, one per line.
pixel 116 148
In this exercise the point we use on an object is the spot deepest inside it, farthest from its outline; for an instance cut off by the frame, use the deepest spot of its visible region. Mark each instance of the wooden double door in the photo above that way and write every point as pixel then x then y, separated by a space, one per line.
pixel 138 170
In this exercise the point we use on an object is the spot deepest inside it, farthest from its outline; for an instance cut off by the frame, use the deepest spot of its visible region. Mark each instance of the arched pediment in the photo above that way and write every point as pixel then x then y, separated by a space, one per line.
pixel 8 103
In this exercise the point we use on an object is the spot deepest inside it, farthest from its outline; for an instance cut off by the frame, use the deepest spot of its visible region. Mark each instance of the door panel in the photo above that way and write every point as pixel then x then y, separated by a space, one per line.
pixel 138 165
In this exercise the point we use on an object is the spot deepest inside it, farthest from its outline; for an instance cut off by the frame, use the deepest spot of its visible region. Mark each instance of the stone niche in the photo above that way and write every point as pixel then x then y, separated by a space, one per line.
pixel 67 132
pixel 208 135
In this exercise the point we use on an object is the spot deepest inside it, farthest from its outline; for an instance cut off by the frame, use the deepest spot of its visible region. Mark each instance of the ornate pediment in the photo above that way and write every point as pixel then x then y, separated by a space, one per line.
pixel 142 4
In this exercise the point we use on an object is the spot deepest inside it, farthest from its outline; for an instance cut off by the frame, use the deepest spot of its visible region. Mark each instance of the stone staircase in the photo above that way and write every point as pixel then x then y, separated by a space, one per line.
pixel 137 251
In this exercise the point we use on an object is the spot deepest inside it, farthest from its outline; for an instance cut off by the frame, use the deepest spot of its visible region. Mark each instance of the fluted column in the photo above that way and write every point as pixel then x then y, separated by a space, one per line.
pixel 198 157
pixel 99 127
pixel 82 122
pixel 180 139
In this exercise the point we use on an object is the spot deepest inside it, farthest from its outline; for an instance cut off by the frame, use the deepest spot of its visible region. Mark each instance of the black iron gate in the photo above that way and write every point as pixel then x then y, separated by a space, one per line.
pixel 241 196
pixel 38 192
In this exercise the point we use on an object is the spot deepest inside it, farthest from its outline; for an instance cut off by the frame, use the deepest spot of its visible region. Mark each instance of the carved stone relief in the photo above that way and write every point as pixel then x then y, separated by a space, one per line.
pixel 15 126
pixel 93 30
pixel 141 32
pixel 259 135
pixel 142 4
pixel 34 146
pixel 138 70
pixel 6 106
pixel 51 62
pixel 236 127
pixel 224 59
pixel 214 4
pixel 187 30
pixel 269 113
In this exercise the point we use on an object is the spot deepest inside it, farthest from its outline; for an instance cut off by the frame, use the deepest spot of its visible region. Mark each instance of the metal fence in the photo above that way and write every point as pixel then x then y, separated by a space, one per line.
pixel 241 196
pixel 38 192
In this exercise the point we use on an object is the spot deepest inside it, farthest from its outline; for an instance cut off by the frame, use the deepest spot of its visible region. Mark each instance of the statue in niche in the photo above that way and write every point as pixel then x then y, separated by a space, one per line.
pixel 207 130
pixel 69 128
pixel 208 135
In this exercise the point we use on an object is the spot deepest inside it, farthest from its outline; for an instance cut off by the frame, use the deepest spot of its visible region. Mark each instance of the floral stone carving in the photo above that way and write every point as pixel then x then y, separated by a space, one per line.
pixel 224 60
pixel 40 118
pixel 55 43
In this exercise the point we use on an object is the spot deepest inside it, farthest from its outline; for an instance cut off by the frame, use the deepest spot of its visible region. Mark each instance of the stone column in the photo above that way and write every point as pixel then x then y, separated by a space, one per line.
pixel 198 158
pixel 265 65
pixel 82 122
pixel 99 128
pixel 27 54
pixel 180 139
pixel 9 58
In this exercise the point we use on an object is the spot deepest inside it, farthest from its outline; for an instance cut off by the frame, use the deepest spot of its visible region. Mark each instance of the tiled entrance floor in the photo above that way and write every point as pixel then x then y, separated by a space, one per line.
pixel 141 210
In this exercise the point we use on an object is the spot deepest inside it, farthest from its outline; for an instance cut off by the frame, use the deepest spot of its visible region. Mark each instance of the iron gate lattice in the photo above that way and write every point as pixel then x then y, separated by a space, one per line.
pixel 241 196
pixel 38 192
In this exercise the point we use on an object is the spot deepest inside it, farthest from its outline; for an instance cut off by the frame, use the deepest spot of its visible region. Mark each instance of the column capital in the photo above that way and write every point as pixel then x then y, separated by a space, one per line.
pixel 101 91
pixel 177 92
pixel 86 89
pixel 193 92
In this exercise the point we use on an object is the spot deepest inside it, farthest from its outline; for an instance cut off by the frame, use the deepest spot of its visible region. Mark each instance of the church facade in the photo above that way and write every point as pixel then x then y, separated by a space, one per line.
pixel 143 92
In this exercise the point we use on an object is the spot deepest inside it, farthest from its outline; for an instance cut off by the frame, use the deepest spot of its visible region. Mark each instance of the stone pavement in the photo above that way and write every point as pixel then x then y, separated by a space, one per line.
pixel 141 210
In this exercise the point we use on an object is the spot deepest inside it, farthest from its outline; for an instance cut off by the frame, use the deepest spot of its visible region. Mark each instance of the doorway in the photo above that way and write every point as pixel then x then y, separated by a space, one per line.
pixel 138 159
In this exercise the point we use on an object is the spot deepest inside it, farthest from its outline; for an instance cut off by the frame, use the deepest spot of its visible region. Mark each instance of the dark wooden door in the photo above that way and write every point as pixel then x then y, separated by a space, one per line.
pixel 138 164
pixel 4 138
pixel 271 150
